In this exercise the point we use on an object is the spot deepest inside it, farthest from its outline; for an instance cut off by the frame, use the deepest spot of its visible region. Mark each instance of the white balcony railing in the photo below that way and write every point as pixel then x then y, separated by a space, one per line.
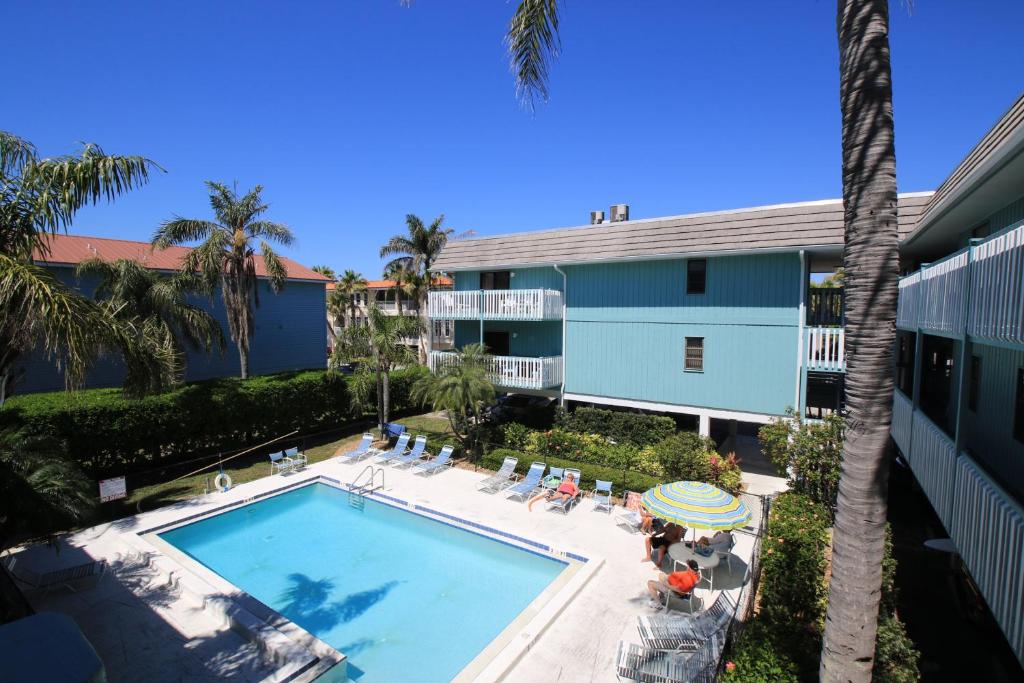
pixel 902 422
pixel 826 349
pixel 997 287
pixel 934 464
pixel 496 304
pixel 909 303
pixel 512 372
pixel 945 292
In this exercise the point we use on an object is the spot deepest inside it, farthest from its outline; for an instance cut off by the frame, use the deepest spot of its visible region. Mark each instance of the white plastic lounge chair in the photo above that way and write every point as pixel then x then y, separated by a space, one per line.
pixel 630 516
pixel 399 448
pixel 363 450
pixel 279 463
pixel 564 505
pixel 602 496
pixel 298 459
pixel 441 462
pixel 669 632
pixel 639 663
pixel 46 581
pixel 414 454
pixel 529 484
pixel 501 478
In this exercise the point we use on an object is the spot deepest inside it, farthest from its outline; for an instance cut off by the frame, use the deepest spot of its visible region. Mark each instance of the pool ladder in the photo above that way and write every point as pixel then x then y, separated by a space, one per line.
pixel 357 491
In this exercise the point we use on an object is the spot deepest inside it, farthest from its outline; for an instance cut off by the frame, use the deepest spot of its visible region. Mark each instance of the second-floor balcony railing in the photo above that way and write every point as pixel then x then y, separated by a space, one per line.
pixel 511 372
pixel 826 349
pixel 496 304
pixel 826 307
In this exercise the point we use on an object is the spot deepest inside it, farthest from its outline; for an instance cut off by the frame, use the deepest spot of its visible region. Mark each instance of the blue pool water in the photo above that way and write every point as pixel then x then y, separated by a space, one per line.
pixel 405 597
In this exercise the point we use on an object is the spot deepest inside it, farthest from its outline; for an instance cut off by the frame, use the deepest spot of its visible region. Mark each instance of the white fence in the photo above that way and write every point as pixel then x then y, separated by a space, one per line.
pixel 910 301
pixel 934 465
pixel 997 287
pixel 826 349
pixel 902 422
pixel 945 294
pixel 513 372
pixel 497 304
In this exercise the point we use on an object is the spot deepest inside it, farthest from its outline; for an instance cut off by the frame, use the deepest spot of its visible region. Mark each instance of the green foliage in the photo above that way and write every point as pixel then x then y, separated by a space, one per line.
pixel 760 656
pixel 688 456
pixel 632 481
pixel 515 435
pixel 896 658
pixel 638 429
pixel 774 438
pixel 461 390
pixel 810 452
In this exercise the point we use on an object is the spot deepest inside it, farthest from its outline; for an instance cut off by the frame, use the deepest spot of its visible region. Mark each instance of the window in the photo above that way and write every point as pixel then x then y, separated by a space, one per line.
pixel 696 276
pixel 496 279
pixel 973 382
pixel 1018 407
pixel 694 359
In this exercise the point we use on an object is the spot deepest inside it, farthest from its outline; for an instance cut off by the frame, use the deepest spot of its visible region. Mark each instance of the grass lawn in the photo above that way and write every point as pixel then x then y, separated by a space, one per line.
pixel 253 466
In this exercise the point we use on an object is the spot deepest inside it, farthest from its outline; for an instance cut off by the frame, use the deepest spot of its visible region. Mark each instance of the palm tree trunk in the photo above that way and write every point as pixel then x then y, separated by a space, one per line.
pixel 381 417
pixel 871 265
pixel 398 300
pixel 386 403
pixel 243 357
pixel 427 329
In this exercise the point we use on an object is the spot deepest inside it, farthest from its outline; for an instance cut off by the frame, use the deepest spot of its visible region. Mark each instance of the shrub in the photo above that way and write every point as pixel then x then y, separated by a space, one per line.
pixel 774 438
pixel 759 657
pixel 638 429
pixel 896 658
pixel 687 456
pixel 811 454
pixel 515 436
pixel 631 481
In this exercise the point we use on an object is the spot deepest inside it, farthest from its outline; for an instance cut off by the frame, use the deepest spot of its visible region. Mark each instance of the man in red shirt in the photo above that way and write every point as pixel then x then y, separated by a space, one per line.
pixel 681 583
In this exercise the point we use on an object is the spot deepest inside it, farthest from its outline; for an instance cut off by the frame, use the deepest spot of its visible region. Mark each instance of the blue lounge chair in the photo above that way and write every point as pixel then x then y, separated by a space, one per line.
pixel 388 456
pixel 298 459
pixel 563 505
pixel 529 484
pixel 363 450
pixel 441 462
pixel 279 463
pixel 500 479
pixel 603 496
pixel 414 454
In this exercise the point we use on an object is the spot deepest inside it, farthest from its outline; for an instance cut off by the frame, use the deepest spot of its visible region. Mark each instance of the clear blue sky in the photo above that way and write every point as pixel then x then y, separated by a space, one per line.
pixel 354 113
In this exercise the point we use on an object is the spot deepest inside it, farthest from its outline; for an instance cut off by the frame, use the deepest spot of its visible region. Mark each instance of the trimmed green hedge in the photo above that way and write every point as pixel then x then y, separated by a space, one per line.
pixel 637 429
pixel 633 481
pixel 109 434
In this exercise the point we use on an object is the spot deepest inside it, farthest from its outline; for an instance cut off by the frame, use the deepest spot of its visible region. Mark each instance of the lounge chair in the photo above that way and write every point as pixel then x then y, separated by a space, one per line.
pixel 45 581
pixel 630 516
pixel 501 478
pixel 441 462
pixel 683 631
pixel 298 459
pixel 563 505
pixel 414 454
pixel 363 450
pixel 399 449
pixel 279 463
pixel 529 484
pixel 602 496
pixel 639 663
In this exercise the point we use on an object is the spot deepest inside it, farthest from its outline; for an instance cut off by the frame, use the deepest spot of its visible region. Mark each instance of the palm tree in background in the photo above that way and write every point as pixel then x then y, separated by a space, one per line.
pixel 228 254
pixel 407 281
pixel 349 285
pixel 870 261
pixel 326 271
pixel 158 303
pixel 417 250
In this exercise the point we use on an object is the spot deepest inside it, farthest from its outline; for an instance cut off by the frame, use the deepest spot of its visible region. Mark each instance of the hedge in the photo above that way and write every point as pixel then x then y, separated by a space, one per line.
pixel 630 481
pixel 638 429
pixel 109 434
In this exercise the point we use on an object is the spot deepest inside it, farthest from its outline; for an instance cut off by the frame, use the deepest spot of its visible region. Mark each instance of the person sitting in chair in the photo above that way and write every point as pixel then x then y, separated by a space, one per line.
pixel 720 542
pixel 659 543
pixel 681 583
pixel 565 491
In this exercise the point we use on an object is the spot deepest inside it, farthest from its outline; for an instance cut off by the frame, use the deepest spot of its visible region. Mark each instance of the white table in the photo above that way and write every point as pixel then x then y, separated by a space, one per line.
pixel 681 553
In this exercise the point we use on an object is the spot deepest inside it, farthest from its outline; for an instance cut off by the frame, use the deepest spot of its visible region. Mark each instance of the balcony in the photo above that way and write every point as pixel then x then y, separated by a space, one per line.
pixel 511 372
pixel 826 349
pixel 496 304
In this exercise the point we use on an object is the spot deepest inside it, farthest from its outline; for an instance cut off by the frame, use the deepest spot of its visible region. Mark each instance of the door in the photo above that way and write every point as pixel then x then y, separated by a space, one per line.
pixel 496 279
pixel 497 343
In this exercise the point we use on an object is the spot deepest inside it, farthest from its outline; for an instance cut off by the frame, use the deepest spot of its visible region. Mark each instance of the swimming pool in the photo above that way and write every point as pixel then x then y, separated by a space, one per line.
pixel 405 597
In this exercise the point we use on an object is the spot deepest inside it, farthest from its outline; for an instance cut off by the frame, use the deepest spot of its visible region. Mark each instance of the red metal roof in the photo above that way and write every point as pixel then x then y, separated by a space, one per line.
pixel 388 284
pixel 73 249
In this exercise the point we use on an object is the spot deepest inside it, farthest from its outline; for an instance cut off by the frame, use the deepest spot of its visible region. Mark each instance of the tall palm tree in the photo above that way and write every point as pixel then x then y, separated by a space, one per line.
pixel 417 250
pixel 326 271
pixel 870 264
pixel 461 390
pixel 38 199
pixel 228 255
pixel 157 302
pixel 407 281
pixel 337 309
pixel 349 285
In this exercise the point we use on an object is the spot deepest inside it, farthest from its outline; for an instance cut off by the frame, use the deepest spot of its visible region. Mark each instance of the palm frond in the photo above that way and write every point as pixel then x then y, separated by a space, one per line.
pixel 15 152
pixel 397 245
pixel 276 270
pixel 275 232
pixel 180 230
pixel 533 43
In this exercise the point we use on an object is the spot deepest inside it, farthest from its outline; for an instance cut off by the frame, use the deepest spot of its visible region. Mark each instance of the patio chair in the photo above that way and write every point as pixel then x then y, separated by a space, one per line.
pixel 501 478
pixel 46 581
pixel 279 463
pixel 668 632
pixel 602 496
pixel 298 459
pixel 630 516
pixel 441 462
pixel 529 484
pixel 414 454
pixel 725 551
pixel 566 504
pixel 639 663
pixel 363 450
pixel 397 450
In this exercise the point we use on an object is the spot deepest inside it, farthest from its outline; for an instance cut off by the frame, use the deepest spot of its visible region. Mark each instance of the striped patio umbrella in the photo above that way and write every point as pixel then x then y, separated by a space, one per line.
pixel 696 505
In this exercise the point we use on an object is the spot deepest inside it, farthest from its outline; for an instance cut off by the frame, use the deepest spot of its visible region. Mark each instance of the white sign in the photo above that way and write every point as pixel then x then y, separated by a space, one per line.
pixel 113 489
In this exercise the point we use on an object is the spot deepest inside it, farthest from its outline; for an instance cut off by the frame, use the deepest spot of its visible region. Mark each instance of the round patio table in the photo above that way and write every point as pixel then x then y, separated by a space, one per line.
pixel 681 553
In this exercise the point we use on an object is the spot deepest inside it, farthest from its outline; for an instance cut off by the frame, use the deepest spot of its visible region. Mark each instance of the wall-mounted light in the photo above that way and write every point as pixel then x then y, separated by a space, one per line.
pixel 515 335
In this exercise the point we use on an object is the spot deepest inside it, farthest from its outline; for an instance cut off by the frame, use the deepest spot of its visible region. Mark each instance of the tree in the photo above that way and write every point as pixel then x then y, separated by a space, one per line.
pixel 326 271
pixel 870 264
pixel 227 256
pixel 382 341
pixel 417 250
pixel 157 303
pixel 38 199
pixel 407 282
pixel 349 285
pixel 833 280
pixel 462 390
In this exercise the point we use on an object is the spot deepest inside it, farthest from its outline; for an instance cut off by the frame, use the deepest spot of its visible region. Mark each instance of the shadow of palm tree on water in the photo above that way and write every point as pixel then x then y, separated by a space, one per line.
pixel 307 602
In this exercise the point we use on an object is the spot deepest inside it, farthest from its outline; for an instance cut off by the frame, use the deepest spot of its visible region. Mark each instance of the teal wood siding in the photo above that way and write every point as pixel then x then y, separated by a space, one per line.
pixel 990 430
pixel 532 338
pixel 525 278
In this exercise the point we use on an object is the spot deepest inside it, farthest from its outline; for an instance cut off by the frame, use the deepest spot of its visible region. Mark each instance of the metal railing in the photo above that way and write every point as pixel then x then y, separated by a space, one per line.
pixel 496 304
pixel 933 460
pixel 902 421
pixel 513 372
pixel 826 307
pixel 997 287
pixel 826 349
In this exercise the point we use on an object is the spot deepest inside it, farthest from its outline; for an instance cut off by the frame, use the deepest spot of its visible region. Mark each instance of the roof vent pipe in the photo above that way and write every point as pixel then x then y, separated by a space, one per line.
pixel 619 212
pixel 596 217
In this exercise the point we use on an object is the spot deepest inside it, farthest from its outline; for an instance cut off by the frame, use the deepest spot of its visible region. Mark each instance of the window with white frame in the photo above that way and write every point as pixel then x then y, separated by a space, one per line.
pixel 693 359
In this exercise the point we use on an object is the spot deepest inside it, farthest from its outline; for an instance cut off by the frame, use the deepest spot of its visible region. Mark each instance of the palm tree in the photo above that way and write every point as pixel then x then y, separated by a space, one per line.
pixel 870 265
pixel 461 390
pixel 326 271
pixel 382 341
pixel 228 256
pixel 407 281
pixel 157 302
pixel 38 199
pixel 337 307
pixel 349 285
pixel 417 250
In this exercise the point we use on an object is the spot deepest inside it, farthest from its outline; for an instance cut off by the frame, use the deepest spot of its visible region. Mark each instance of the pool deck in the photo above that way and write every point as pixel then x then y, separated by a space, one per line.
pixel 141 620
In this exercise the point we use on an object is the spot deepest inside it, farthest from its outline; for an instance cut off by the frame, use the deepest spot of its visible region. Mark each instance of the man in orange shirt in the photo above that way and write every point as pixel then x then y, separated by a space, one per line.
pixel 681 583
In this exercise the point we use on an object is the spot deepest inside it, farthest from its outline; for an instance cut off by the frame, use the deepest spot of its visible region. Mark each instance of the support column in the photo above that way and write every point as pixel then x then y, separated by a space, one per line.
pixel 704 424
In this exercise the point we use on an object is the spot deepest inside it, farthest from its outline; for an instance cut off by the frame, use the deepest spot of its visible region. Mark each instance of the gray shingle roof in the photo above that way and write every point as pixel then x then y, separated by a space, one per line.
pixel 784 226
